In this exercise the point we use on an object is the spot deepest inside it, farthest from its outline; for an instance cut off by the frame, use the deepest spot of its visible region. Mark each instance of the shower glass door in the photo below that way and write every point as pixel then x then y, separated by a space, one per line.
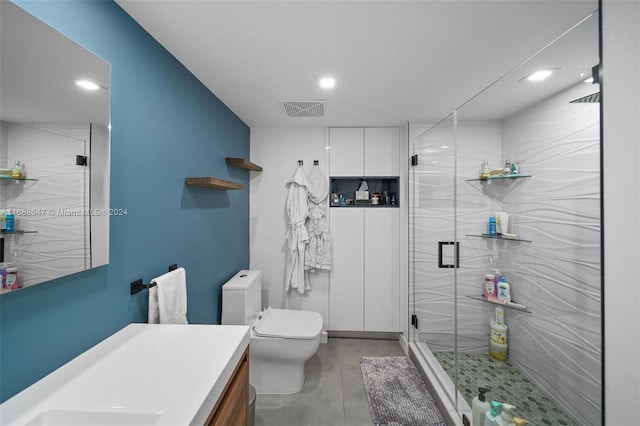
pixel 433 246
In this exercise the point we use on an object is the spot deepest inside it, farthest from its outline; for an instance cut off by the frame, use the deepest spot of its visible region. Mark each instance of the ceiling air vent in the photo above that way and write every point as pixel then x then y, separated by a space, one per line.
pixel 314 108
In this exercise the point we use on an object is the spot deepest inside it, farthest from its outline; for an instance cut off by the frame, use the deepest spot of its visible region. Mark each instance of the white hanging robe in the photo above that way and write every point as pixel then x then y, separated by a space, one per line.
pixel 318 254
pixel 297 236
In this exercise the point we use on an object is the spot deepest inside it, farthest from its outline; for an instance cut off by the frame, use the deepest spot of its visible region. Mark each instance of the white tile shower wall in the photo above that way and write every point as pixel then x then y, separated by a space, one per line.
pixel 277 150
pixel 558 347
pixel 61 246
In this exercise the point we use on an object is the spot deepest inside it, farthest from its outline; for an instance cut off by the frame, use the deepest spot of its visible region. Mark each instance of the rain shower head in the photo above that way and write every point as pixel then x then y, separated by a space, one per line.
pixel 589 99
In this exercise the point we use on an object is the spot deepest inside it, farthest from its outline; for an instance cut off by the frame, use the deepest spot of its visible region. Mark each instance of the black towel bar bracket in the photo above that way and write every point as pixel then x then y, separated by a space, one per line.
pixel 137 286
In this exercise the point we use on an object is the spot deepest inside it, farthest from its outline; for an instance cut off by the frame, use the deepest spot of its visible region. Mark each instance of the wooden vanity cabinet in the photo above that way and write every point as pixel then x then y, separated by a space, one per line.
pixel 232 407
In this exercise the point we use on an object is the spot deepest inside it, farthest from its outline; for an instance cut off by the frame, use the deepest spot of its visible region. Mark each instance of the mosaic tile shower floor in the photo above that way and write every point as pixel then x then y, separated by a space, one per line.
pixel 507 384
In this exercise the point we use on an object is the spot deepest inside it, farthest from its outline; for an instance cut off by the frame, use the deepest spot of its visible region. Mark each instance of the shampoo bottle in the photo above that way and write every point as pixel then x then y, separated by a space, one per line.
pixel 497 276
pixel 493 230
pixel 479 407
pixel 490 417
pixel 505 418
pixel 504 291
pixel 9 223
pixel 488 286
pixel 485 171
pixel 507 167
pixel 15 170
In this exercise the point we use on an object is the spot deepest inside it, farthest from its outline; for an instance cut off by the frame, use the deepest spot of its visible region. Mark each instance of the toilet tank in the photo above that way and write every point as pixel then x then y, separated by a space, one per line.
pixel 241 298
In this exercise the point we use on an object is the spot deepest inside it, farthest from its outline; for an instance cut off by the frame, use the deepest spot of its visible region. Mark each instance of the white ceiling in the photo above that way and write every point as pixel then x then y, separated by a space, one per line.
pixel 394 61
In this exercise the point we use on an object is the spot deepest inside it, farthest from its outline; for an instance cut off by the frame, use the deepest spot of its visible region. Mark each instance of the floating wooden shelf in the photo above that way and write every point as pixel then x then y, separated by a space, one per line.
pixel 243 164
pixel 213 183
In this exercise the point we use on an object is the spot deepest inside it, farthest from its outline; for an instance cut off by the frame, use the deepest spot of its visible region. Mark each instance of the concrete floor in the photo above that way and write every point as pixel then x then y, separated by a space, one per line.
pixel 333 393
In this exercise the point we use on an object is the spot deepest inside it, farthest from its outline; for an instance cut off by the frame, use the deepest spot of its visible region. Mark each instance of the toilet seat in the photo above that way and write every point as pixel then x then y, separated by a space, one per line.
pixel 288 324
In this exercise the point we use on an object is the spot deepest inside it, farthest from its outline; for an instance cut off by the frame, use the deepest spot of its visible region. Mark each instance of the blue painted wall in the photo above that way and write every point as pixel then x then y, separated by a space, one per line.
pixel 165 126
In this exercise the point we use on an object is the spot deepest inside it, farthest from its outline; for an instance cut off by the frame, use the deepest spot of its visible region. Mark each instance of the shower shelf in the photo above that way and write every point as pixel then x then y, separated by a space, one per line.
pixel 518 176
pixel 7 178
pixel 498 187
pixel 17 232
pixel 498 237
pixel 483 299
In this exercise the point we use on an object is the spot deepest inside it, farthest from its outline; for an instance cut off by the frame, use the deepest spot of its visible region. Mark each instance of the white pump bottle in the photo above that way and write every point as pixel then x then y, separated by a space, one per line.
pixel 479 407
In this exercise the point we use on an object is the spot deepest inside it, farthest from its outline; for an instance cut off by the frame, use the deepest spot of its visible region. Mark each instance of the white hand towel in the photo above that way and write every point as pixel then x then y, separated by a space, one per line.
pixel 171 298
pixel 154 309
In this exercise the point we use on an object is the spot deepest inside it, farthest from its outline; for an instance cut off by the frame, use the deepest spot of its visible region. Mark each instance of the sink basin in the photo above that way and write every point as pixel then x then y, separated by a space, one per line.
pixel 93 418
pixel 145 374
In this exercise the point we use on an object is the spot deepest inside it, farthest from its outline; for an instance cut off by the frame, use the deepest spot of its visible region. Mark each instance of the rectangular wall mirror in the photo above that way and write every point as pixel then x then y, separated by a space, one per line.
pixel 54 152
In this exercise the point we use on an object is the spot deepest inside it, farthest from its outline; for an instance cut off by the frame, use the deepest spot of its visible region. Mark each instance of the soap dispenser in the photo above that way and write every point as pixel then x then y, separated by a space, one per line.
pixel 490 417
pixel 506 418
pixel 479 407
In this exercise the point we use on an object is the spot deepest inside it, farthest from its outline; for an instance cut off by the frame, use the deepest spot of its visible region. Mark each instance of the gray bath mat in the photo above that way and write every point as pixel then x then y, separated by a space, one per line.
pixel 396 393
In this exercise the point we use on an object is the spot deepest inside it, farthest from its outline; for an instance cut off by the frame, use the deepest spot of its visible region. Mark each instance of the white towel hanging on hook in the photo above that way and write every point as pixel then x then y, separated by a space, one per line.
pixel 318 253
pixel 297 237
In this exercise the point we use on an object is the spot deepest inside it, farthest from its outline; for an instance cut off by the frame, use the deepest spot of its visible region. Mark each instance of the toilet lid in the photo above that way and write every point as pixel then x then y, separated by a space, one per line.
pixel 288 324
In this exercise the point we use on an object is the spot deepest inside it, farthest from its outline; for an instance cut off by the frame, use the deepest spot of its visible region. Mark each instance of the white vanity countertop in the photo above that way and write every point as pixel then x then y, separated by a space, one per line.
pixel 145 374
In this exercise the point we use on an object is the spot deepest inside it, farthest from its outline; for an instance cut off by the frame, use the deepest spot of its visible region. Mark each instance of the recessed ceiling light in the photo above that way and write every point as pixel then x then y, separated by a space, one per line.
pixel 539 75
pixel 444 146
pixel 88 85
pixel 327 82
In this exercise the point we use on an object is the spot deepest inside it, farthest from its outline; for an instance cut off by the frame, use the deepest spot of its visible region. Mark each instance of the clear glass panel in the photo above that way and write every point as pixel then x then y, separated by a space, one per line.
pixel 431 225
pixel 551 256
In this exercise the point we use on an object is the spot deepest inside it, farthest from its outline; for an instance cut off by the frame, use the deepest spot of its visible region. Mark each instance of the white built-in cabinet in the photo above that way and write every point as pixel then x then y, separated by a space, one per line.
pixel 346 157
pixel 370 151
pixel 381 272
pixel 364 280
pixel 346 280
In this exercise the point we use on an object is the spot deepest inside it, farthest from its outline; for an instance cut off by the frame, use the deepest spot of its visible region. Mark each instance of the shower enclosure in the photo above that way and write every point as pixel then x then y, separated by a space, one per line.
pixel 550 255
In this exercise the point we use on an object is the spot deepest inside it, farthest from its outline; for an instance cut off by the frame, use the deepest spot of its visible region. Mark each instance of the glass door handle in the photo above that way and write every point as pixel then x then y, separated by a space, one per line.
pixel 452 255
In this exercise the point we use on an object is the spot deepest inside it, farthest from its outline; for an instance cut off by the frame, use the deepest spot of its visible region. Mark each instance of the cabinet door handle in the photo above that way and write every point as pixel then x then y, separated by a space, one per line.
pixel 456 250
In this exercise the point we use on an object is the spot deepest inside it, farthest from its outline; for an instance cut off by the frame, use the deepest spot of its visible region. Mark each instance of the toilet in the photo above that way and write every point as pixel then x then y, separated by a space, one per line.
pixel 282 340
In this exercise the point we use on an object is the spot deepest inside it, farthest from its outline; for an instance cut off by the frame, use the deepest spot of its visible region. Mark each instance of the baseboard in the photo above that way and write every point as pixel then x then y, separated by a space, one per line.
pixel 379 335
pixel 404 344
